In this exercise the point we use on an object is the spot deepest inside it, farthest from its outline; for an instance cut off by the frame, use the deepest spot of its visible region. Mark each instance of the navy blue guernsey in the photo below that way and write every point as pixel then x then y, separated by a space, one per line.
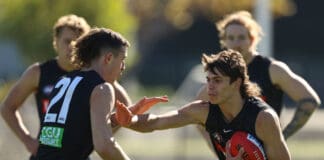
pixel 50 72
pixel 221 131
pixel 66 129
pixel 258 70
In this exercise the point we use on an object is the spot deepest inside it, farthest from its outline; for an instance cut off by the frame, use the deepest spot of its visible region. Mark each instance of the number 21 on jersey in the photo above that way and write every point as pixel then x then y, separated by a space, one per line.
pixel 67 87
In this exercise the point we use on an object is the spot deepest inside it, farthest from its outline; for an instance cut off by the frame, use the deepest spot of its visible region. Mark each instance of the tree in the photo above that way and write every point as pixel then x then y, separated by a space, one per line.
pixel 29 22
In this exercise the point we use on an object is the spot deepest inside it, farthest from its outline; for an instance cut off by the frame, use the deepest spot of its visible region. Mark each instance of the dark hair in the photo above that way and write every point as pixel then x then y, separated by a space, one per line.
pixel 91 45
pixel 231 63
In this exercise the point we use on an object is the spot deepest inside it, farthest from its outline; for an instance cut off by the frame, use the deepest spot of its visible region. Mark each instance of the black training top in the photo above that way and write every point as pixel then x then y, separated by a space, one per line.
pixel 50 72
pixel 66 130
pixel 258 70
pixel 221 131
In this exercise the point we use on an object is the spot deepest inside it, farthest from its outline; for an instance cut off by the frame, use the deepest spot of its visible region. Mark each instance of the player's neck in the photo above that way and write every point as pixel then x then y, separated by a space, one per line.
pixel 248 57
pixel 101 71
pixel 65 66
pixel 232 107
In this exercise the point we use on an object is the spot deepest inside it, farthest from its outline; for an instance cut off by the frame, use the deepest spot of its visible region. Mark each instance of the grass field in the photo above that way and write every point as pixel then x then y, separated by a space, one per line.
pixel 175 144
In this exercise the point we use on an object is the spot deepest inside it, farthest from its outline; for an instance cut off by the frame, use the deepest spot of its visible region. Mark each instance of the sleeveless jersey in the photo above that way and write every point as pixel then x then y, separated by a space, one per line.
pixel 66 129
pixel 258 70
pixel 50 72
pixel 221 131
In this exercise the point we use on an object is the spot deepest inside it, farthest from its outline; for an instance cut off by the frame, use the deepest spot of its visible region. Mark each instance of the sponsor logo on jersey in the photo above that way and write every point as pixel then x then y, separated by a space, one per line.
pixel 52 136
pixel 48 89
pixel 227 130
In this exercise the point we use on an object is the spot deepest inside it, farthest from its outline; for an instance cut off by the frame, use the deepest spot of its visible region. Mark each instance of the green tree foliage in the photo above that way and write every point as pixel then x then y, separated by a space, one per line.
pixel 181 13
pixel 29 22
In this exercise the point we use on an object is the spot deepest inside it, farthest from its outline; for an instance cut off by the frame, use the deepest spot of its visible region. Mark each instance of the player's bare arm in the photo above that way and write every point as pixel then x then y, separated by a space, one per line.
pixel 269 131
pixel 101 104
pixel 24 87
pixel 299 90
pixel 192 113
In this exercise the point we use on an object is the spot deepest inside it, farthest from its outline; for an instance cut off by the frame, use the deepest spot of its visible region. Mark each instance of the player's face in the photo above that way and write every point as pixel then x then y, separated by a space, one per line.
pixel 237 38
pixel 219 88
pixel 63 44
pixel 117 64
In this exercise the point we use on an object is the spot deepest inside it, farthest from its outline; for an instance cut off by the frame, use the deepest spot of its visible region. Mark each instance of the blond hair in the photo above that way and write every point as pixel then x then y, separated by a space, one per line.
pixel 243 18
pixel 77 24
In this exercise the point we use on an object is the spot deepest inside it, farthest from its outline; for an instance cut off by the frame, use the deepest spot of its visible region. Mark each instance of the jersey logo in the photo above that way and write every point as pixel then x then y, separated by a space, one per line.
pixel 227 130
pixel 51 136
pixel 48 89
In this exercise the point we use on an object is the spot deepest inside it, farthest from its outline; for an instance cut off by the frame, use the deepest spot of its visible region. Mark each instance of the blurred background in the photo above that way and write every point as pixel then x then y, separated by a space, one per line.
pixel 168 38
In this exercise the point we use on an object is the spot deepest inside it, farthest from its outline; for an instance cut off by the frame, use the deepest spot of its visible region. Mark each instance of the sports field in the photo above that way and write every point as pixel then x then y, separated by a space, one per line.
pixel 175 144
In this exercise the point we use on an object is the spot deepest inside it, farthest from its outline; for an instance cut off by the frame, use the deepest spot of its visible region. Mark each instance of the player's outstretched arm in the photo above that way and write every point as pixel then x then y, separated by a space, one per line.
pixel 192 113
pixel 24 87
pixel 300 91
pixel 269 131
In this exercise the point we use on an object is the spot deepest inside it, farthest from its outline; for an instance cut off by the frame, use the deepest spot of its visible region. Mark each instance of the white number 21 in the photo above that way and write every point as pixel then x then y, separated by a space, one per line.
pixel 66 87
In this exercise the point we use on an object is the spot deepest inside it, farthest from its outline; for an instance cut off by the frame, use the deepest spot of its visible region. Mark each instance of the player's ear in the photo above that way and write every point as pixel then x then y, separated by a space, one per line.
pixel 108 57
pixel 238 83
pixel 252 40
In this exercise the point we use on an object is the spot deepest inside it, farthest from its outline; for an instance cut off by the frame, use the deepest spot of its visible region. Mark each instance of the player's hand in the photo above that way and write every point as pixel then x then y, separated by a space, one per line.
pixel 31 145
pixel 146 103
pixel 123 114
pixel 229 155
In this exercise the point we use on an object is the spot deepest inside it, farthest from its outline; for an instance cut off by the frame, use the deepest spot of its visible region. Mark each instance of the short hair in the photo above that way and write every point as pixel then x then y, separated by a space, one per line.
pixel 231 63
pixel 90 46
pixel 73 22
pixel 243 18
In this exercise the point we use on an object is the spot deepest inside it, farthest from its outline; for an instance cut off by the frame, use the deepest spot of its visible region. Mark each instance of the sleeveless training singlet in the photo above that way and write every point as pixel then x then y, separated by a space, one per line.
pixel 50 72
pixel 221 131
pixel 66 129
pixel 258 70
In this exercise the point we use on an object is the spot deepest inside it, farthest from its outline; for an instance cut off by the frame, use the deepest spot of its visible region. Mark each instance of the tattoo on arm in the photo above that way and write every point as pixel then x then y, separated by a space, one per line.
pixel 305 109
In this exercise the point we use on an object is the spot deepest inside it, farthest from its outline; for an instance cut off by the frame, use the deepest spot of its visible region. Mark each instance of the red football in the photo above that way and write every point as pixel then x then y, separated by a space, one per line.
pixel 252 147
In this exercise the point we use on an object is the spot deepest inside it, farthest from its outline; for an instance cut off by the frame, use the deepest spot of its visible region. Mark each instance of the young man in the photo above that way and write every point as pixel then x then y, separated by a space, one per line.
pixel 233 105
pixel 40 78
pixel 239 31
pixel 82 101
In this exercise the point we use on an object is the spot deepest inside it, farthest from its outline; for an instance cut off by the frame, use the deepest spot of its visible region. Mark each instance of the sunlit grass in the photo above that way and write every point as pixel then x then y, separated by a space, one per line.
pixel 186 142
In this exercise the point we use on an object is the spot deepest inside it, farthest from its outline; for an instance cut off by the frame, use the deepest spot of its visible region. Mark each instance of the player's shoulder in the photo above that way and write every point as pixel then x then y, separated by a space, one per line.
pixel 104 88
pixel 197 109
pixel 278 66
pixel 267 117
pixel 280 72
pixel 267 124
pixel 33 71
